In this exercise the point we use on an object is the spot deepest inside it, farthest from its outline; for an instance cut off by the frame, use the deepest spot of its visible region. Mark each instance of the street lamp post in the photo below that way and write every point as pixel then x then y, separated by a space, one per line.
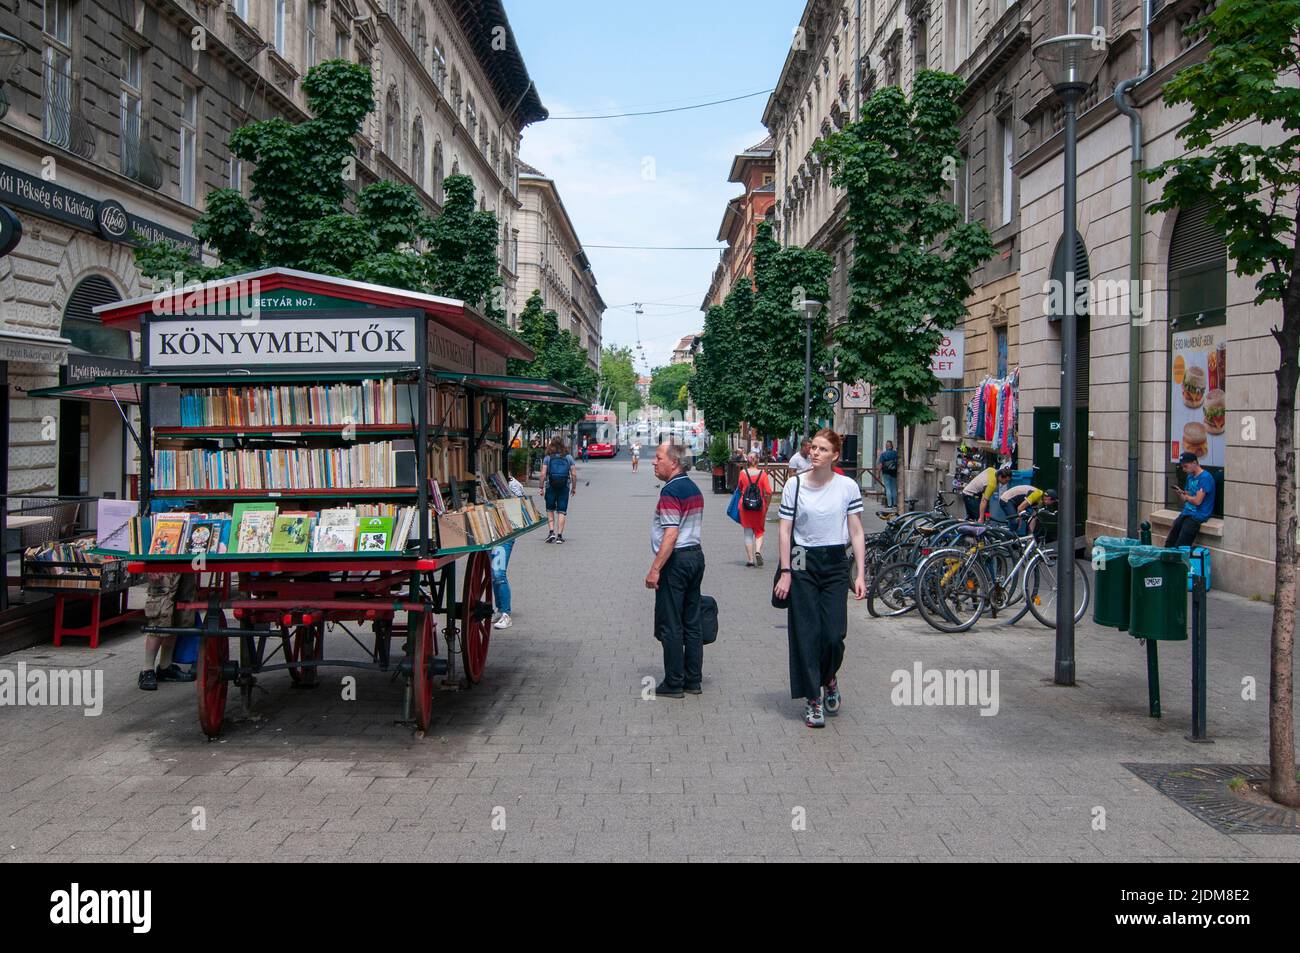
pixel 1068 61
pixel 810 311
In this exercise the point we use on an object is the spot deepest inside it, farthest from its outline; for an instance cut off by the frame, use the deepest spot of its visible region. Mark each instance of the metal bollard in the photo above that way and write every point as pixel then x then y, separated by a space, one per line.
pixel 1153 677
pixel 1199 665
pixel 1144 534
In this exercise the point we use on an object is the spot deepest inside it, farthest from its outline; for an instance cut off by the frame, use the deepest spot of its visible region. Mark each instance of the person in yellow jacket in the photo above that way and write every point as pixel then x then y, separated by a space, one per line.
pixel 978 493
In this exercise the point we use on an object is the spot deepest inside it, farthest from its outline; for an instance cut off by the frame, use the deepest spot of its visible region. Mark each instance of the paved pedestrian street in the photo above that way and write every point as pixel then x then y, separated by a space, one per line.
pixel 558 756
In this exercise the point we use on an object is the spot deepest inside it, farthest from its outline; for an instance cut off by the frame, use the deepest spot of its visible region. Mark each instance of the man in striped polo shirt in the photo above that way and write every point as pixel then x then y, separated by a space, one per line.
pixel 676 573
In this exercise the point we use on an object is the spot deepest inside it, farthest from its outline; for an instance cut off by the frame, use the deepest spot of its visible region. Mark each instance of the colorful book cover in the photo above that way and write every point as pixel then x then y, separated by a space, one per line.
pixel 374 534
pixel 337 531
pixel 291 533
pixel 237 518
pixel 254 533
pixel 168 534
pixel 203 536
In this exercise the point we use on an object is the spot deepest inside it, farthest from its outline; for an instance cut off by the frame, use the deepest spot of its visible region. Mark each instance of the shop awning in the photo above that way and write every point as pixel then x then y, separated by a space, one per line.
pixel 33 348
pixel 123 390
pixel 536 389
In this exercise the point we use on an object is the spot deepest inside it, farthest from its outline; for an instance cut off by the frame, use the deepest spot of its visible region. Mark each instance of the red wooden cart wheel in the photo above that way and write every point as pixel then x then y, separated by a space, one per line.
pixel 305 644
pixel 422 673
pixel 476 615
pixel 213 654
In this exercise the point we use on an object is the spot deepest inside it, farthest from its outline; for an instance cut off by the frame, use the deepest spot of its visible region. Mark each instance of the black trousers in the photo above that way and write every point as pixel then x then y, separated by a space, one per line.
pixel 677 618
pixel 1184 530
pixel 818 618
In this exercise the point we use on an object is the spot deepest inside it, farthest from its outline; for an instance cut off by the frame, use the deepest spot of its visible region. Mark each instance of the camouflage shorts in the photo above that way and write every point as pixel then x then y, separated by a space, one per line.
pixel 165 590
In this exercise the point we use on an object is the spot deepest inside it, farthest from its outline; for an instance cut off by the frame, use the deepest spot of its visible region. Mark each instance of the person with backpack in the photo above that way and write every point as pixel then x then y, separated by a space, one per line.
pixel 889 474
pixel 559 480
pixel 755 492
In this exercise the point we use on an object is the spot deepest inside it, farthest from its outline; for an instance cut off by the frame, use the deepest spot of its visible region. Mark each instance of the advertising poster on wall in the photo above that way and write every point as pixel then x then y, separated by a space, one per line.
pixel 1197 379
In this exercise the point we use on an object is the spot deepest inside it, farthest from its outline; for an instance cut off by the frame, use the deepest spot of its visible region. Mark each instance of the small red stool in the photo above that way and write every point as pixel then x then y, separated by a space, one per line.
pixel 99 617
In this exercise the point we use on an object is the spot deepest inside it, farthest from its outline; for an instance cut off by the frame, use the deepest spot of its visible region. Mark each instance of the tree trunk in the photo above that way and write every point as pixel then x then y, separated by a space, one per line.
pixel 1281 693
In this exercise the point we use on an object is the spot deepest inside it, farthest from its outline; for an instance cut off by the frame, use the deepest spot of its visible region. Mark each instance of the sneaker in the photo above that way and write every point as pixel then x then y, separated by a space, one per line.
pixel 559 539
pixel 663 691
pixel 812 714
pixel 148 681
pixel 550 537
pixel 749 565
pixel 503 622
pixel 174 673
pixel 833 697
pixel 758 559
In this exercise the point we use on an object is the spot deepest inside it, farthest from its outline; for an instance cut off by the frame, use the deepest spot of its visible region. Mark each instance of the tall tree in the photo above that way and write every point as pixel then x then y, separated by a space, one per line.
pixel 1250 76
pixel 618 380
pixel 716 387
pixel 912 254
pixel 666 385
pixel 558 357
pixel 297 217
pixel 773 342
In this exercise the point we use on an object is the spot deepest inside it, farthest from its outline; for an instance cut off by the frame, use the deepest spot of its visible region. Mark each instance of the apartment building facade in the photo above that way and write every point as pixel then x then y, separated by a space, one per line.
pixel 554 263
pixel 754 170
pixel 116 119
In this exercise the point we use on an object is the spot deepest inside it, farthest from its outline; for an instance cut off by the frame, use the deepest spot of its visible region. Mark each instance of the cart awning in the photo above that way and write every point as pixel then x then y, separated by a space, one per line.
pixel 102 388
pixel 122 390
pixel 536 389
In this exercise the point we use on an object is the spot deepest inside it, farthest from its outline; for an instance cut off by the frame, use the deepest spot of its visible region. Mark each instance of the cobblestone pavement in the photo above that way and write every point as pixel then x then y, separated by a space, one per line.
pixel 558 742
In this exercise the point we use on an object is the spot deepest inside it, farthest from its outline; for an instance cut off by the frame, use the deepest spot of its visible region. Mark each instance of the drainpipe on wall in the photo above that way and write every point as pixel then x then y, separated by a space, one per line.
pixel 1122 101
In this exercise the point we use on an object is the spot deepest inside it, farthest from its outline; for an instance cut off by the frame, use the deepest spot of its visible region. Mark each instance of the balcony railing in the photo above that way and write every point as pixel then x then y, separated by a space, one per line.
pixel 64 125
pixel 139 161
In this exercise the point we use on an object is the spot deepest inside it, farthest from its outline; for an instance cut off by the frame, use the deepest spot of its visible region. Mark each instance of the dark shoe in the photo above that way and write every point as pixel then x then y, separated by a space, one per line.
pixel 174 673
pixel 663 691
pixel 693 690
pixel 832 700
pixel 749 565
pixel 550 537
pixel 559 539
pixel 758 559
pixel 148 681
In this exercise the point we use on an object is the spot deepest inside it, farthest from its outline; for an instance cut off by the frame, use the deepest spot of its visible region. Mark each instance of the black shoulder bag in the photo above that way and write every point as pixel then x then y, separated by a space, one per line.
pixel 777 601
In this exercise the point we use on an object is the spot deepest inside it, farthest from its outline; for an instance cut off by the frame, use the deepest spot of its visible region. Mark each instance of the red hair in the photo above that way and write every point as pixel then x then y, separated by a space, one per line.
pixel 831 437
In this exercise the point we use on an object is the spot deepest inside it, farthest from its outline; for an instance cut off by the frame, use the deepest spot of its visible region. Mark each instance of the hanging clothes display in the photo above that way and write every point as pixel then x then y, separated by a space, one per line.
pixel 992 413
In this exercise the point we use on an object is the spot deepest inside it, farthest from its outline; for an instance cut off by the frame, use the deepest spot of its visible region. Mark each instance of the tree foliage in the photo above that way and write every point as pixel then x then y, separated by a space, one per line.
pixel 559 357
pixel 913 256
pixel 666 385
pixel 1250 75
pixel 618 380
pixel 297 216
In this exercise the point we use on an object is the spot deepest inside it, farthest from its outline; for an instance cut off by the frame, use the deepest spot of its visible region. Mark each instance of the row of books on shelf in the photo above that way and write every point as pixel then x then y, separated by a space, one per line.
pixel 380 464
pixel 448 407
pixel 365 402
pixel 261 528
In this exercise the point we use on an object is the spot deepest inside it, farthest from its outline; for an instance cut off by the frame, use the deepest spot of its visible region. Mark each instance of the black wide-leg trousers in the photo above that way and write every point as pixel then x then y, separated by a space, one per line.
pixel 818 617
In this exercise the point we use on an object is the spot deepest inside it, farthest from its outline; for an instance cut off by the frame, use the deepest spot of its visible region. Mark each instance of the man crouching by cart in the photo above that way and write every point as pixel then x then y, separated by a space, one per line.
pixel 165 590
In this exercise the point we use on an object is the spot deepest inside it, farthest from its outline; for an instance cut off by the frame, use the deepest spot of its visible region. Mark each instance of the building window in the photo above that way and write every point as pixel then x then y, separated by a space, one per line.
pixel 959 36
pixel 279 26
pixel 1007 140
pixel 437 172
pixel 439 64
pixel 241 9
pixel 189 143
pixel 471 116
pixel 131 109
pixel 1000 346
pixel 392 129
pixel 965 186
pixel 417 152
pixel 455 90
pixel 236 173
pixel 340 42
pixel 57 121
pixel 417 33
pixel 313 34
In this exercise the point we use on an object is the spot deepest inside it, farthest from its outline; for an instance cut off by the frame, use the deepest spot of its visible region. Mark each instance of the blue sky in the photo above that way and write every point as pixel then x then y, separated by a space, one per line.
pixel 599 57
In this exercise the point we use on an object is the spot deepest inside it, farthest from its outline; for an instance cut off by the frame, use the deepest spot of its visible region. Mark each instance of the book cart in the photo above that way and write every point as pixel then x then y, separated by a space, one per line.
pixel 436 425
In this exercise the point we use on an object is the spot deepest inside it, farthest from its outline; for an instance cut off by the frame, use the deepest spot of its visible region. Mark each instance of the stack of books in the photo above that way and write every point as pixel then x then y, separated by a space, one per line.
pixel 448 408
pixel 366 402
pixel 360 465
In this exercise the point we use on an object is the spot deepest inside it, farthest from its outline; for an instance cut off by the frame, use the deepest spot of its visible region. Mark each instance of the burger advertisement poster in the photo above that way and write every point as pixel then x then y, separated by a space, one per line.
pixel 1197 380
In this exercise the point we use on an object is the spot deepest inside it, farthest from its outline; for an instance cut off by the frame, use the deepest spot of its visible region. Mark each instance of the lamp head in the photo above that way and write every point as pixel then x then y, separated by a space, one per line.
pixel 1070 60
pixel 811 309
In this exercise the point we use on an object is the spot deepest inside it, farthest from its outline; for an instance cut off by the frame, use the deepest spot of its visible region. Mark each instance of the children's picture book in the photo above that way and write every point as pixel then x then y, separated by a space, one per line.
pixel 168 534
pixel 374 534
pixel 292 533
pixel 203 536
pixel 336 532
pixel 113 524
pixel 254 533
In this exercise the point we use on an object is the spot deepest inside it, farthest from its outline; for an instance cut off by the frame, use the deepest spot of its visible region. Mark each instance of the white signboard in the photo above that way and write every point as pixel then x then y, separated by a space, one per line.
pixel 949 361
pixel 197 343
pixel 857 396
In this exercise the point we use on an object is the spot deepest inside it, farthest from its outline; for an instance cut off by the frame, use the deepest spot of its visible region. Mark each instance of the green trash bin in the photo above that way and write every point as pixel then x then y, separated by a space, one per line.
pixel 1112 583
pixel 1158 600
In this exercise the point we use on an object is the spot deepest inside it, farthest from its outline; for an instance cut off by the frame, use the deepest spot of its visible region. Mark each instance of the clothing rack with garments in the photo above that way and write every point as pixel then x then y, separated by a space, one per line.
pixel 992 413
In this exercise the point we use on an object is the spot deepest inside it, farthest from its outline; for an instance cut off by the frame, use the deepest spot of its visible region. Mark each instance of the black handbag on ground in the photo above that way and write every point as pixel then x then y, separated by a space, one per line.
pixel 709 619
pixel 777 601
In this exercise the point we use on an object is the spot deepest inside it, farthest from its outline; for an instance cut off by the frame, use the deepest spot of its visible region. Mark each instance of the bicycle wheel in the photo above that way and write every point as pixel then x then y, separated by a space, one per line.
pixel 891 591
pixel 1042 585
pixel 952 591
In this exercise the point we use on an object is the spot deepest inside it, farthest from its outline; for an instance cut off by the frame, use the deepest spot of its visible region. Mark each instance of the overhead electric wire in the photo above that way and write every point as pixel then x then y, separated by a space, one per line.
pixel 660 112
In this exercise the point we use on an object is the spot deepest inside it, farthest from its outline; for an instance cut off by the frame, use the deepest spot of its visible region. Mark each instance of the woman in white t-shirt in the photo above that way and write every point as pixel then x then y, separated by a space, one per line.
pixel 815 530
